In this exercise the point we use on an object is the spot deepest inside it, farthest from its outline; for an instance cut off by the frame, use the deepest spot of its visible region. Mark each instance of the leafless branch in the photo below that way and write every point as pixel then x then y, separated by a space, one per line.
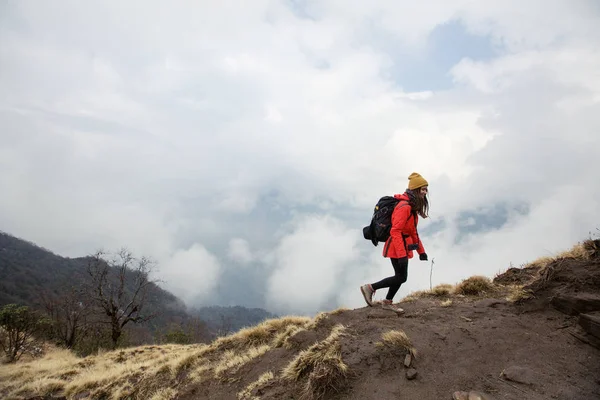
pixel 119 286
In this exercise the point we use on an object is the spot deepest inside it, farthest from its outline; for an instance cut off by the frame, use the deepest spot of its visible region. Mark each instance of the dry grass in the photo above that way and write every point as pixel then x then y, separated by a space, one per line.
pixel 441 290
pixel 475 286
pixel 135 373
pixel 413 296
pixel 262 381
pixel 516 294
pixel 227 354
pixel 397 339
pixel 483 286
pixel 546 267
pixel 444 289
pixel 282 339
pixel 339 310
pixel 592 248
pixel 446 303
pixel 581 251
pixel 42 376
pixel 541 262
pixel 260 334
pixel 231 360
pixel 321 366
pixel 164 394
pixel 44 385
pixel 146 372
pixel 317 320
pixel 200 373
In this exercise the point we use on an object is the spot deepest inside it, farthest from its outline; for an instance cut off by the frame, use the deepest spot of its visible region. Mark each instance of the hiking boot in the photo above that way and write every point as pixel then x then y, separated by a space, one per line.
pixel 389 305
pixel 367 292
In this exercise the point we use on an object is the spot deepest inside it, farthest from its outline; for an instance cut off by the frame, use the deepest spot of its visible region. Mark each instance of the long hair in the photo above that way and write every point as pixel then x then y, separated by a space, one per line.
pixel 419 205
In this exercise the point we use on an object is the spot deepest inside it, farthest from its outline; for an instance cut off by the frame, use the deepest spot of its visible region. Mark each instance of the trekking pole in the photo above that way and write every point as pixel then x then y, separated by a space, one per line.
pixel 431 273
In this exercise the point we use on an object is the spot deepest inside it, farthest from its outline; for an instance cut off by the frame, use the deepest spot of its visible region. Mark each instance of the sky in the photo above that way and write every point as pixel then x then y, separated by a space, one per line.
pixel 243 145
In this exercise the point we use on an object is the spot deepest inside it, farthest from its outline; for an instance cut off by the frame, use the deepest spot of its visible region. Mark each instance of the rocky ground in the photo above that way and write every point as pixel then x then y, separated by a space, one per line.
pixel 544 346
pixel 488 346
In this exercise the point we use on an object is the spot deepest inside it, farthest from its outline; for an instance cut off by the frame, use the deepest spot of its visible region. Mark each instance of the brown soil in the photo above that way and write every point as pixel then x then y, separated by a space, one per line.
pixel 474 344
pixel 519 276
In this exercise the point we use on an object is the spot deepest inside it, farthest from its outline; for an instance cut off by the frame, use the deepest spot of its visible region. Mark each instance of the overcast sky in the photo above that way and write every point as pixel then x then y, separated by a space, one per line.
pixel 243 145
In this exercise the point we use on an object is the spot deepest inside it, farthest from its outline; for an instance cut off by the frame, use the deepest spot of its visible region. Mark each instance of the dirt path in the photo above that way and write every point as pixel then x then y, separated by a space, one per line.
pixel 467 346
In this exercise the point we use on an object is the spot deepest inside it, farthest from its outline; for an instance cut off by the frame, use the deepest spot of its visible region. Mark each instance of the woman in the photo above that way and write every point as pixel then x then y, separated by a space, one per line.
pixel 403 239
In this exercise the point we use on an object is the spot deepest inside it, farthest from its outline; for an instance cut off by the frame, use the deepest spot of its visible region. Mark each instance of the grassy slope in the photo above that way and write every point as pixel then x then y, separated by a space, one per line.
pixel 354 352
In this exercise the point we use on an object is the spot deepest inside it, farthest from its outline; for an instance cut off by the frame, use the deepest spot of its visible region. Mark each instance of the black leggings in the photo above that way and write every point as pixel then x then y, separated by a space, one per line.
pixel 393 282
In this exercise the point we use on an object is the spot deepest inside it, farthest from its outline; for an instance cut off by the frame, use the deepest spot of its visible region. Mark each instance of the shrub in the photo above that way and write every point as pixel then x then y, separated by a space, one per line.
pixel 443 289
pixel 321 365
pixel 446 303
pixel 178 336
pixel 398 339
pixel 20 326
pixel 474 286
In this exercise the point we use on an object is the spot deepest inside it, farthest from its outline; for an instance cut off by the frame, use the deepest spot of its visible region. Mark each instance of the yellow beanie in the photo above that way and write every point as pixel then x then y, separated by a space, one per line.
pixel 416 181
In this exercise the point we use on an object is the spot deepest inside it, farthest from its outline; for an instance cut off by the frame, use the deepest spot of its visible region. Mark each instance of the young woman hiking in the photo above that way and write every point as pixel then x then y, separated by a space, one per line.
pixel 404 238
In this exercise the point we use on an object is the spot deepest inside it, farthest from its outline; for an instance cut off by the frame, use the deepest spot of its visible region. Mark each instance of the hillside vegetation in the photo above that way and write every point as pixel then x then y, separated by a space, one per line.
pixel 35 277
pixel 55 286
pixel 502 338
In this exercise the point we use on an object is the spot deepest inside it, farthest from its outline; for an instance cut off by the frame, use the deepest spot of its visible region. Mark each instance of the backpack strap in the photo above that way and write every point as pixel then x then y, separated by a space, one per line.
pixel 406 203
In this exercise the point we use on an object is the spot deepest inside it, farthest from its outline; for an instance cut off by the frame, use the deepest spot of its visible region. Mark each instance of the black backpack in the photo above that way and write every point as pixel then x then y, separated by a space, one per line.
pixel 381 222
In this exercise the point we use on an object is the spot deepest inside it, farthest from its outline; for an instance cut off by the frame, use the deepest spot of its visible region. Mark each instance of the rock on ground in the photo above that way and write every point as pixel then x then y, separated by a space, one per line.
pixel 520 374
pixel 411 374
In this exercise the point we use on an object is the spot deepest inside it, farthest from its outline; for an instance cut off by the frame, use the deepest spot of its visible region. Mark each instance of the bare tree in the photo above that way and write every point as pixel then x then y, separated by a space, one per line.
pixel 119 287
pixel 225 326
pixel 198 331
pixel 69 314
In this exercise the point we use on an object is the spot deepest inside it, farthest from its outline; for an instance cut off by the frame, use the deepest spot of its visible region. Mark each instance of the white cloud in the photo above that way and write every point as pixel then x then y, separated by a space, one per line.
pixel 309 264
pixel 191 274
pixel 239 251
pixel 546 230
pixel 204 123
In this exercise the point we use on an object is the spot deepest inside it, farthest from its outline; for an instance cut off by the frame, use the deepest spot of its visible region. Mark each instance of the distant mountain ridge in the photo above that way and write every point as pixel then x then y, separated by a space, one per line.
pixel 225 320
pixel 28 270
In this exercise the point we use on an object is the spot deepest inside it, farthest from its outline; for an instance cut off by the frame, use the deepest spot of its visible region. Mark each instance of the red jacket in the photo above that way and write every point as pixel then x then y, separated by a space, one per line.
pixel 403 232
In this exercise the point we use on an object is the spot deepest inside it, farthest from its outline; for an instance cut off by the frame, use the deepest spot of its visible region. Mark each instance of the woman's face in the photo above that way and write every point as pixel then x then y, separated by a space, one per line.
pixel 422 191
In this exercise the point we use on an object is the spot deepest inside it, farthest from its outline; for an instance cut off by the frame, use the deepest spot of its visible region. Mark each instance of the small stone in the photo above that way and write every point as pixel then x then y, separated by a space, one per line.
pixel 519 374
pixel 411 374
pixel 460 396
pixel 407 360
pixel 474 395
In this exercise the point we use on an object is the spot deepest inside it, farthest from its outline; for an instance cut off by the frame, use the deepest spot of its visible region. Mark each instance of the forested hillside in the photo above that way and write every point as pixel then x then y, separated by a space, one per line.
pixel 33 276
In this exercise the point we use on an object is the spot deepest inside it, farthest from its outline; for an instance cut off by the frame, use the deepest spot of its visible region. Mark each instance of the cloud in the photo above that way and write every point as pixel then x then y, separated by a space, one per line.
pixel 239 251
pixel 246 146
pixel 192 274
pixel 309 263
